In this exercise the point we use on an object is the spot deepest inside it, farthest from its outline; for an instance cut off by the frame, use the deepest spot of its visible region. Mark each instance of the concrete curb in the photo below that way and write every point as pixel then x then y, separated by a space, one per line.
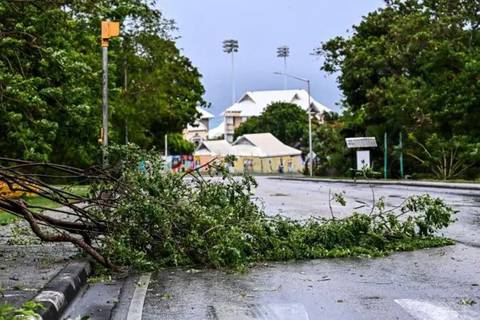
pixel 62 289
pixel 442 185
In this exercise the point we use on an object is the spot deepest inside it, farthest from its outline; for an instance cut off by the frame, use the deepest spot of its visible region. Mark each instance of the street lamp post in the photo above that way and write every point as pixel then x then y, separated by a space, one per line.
pixel 284 52
pixel 231 47
pixel 310 154
pixel 110 29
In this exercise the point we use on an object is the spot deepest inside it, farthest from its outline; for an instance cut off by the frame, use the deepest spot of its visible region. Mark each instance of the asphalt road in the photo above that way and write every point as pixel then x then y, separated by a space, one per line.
pixel 433 284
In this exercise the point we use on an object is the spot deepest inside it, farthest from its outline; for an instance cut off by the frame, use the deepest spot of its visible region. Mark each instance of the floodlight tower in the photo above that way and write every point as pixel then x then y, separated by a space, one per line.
pixel 231 47
pixel 284 52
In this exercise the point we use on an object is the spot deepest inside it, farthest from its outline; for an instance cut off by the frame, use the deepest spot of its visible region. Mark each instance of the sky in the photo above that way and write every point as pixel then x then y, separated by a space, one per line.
pixel 261 26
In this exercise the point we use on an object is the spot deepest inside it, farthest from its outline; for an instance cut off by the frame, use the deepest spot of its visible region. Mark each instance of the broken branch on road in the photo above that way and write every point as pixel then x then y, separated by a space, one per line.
pixel 145 217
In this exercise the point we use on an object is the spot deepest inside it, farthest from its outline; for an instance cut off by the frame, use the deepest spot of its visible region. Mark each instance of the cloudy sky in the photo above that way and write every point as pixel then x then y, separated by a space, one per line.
pixel 260 26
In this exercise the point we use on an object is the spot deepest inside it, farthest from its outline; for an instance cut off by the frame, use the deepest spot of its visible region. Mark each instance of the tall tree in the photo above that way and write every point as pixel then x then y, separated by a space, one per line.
pixel 286 121
pixel 412 66
pixel 50 76
pixel 163 92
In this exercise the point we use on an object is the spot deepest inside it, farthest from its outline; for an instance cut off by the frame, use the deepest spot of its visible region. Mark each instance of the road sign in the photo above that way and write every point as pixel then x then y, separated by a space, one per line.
pixel 110 29
pixel 312 155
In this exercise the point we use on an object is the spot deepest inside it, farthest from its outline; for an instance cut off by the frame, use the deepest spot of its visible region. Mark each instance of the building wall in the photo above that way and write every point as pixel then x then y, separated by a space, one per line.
pixel 290 164
pixel 202 160
pixel 206 123
pixel 233 120
pixel 195 136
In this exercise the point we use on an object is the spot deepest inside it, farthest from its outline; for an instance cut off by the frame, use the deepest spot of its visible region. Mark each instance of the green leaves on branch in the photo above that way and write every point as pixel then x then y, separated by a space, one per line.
pixel 27 311
pixel 446 159
pixel 172 220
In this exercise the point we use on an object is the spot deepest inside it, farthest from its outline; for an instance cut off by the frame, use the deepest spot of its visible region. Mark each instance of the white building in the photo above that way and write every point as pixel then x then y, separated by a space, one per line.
pixel 253 103
pixel 213 148
pixel 218 132
pixel 198 132
pixel 254 153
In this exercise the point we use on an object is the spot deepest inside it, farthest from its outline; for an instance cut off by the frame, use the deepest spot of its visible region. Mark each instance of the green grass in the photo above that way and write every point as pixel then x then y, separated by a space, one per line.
pixel 7 218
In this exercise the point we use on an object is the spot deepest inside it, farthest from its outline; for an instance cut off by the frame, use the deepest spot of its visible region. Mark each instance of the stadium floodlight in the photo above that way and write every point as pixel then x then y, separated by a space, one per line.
pixel 231 47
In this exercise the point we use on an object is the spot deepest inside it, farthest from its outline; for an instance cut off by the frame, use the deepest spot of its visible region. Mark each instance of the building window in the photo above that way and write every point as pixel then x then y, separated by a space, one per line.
pixel 229 120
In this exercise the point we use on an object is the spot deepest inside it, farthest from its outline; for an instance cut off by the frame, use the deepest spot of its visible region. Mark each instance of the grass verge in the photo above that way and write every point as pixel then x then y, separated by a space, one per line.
pixel 80 190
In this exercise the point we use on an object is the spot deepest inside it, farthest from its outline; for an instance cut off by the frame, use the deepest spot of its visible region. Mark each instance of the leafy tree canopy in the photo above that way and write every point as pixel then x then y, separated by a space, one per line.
pixel 50 78
pixel 412 66
pixel 286 121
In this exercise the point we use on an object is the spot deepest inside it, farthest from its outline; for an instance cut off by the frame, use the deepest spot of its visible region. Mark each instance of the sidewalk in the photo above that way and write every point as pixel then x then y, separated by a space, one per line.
pixel 26 265
pixel 411 183
pixel 26 269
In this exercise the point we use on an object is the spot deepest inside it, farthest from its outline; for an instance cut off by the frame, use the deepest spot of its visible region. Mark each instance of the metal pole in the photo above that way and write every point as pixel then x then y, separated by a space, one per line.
pixel 166 146
pixel 385 159
pixel 402 173
pixel 125 87
pixel 285 83
pixel 310 131
pixel 105 103
pixel 233 79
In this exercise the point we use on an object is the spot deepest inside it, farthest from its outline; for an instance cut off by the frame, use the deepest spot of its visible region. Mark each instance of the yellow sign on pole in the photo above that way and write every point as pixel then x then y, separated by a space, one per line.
pixel 110 29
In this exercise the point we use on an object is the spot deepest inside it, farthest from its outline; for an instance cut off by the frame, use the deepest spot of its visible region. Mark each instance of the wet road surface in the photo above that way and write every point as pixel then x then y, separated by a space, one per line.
pixel 441 283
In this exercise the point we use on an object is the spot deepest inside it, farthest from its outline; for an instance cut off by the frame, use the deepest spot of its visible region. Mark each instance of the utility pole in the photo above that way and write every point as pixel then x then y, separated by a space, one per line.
pixel 385 157
pixel 125 89
pixel 284 52
pixel 166 146
pixel 109 30
pixel 310 162
pixel 231 47
pixel 402 173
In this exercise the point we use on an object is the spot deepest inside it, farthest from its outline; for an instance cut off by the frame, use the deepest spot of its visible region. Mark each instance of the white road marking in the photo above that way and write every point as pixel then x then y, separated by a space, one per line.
pixel 423 310
pixel 272 311
pixel 289 311
pixel 135 310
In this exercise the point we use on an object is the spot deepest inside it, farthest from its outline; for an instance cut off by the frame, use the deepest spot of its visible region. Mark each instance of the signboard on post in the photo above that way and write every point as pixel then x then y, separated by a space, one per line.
pixel 363 156
pixel 361 143
pixel 110 29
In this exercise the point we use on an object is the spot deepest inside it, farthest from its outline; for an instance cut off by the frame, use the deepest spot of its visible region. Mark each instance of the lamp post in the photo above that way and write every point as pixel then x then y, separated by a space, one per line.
pixel 110 29
pixel 231 47
pixel 284 52
pixel 310 154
